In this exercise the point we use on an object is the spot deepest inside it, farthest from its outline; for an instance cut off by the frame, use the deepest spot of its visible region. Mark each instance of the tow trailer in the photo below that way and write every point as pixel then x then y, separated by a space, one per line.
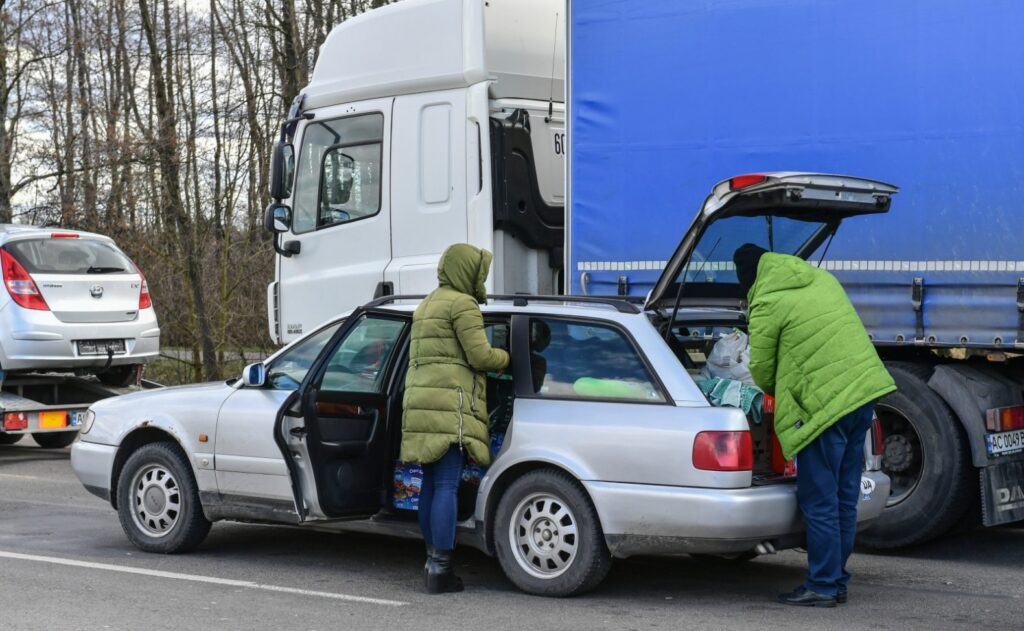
pixel 51 407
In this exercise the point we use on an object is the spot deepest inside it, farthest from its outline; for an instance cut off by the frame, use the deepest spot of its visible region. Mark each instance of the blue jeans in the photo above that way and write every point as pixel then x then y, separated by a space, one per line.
pixel 439 499
pixel 828 485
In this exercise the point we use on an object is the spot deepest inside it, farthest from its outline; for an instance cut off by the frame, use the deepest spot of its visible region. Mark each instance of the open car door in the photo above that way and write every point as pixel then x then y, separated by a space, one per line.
pixel 335 430
pixel 785 212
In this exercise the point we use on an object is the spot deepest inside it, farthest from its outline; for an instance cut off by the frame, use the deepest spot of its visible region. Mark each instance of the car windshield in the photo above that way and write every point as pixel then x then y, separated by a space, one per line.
pixel 711 261
pixel 69 256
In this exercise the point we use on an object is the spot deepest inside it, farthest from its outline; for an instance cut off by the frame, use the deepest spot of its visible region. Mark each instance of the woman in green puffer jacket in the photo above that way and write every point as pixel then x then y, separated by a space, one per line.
pixel 444 413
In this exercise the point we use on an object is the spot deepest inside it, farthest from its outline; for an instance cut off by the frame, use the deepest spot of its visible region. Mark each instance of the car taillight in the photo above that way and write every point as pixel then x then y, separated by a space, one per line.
pixel 145 301
pixel 877 446
pixel 20 285
pixel 1004 419
pixel 743 181
pixel 723 451
pixel 14 421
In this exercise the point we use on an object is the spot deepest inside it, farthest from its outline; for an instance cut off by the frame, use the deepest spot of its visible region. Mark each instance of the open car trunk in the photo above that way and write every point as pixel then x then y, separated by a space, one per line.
pixel 698 298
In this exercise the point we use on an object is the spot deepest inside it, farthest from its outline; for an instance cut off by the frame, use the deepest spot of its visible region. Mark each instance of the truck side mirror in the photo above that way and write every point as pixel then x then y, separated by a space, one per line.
pixel 282 171
pixel 278 218
pixel 254 375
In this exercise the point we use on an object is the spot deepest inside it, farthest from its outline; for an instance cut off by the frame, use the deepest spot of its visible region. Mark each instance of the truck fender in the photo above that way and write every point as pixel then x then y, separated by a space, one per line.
pixel 971 390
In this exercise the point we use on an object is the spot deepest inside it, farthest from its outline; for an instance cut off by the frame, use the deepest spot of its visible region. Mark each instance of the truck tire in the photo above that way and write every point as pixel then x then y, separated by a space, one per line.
pixel 158 500
pixel 55 440
pixel 10 439
pixel 118 376
pixel 927 459
pixel 548 536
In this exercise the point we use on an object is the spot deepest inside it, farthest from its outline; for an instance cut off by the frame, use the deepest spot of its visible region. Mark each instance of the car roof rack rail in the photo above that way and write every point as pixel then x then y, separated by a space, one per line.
pixel 620 303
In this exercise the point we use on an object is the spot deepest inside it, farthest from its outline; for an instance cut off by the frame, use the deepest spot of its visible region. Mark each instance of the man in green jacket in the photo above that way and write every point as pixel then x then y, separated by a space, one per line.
pixel 809 348
pixel 444 412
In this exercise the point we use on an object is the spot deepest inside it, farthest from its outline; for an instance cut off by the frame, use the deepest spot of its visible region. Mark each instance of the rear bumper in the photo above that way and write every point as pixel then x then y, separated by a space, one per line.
pixel 31 340
pixel 663 520
pixel 93 463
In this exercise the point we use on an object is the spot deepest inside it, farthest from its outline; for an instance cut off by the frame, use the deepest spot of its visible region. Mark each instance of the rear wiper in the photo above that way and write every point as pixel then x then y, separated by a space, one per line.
pixel 104 270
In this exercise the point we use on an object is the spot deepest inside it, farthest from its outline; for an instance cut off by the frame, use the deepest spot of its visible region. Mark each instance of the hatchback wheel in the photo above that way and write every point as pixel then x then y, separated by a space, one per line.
pixel 54 440
pixel 158 500
pixel 548 536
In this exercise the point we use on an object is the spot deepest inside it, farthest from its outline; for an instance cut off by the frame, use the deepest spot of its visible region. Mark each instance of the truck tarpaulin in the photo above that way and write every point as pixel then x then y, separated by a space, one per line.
pixel 668 97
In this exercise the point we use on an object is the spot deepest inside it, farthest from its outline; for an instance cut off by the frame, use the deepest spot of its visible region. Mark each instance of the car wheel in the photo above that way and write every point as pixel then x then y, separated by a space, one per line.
pixel 548 536
pixel 158 500
pixel 737 558
pixel 927 459
pixel 55 440
pixel 10 439
pixel 118 376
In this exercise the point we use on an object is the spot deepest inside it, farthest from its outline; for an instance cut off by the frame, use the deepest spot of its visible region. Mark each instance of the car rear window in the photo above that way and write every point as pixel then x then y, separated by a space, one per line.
pixel 69 256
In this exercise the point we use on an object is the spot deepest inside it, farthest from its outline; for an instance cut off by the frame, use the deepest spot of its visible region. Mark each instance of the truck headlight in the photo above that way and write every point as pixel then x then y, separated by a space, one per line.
pixel 87 422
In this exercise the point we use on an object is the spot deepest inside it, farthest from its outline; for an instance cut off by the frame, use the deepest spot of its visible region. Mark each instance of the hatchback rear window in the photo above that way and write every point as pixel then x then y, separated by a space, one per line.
pixel 69 256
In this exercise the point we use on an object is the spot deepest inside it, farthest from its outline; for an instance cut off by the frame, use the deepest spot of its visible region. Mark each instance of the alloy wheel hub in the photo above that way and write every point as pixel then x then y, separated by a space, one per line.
pixel 156 500
pixel 543 535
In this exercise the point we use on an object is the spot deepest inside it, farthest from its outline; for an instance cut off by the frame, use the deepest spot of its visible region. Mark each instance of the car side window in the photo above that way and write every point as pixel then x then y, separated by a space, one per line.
pixel 288 370
pixel 584 360
pixel 358 363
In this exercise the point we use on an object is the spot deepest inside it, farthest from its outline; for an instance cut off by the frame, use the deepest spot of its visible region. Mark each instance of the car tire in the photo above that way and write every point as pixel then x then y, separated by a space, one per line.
pixel 932 442
pixel 548 536
pixel 118 376
pixel 158 500
pixel 10 439
pixel 55 440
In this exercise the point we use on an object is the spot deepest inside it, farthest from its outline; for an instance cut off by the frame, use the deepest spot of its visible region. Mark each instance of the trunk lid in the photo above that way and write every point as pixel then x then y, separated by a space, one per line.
pixel 83 280
pixel 786 212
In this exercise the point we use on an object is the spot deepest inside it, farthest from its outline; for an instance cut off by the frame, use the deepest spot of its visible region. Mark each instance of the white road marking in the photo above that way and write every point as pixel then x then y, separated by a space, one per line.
pixel 196 578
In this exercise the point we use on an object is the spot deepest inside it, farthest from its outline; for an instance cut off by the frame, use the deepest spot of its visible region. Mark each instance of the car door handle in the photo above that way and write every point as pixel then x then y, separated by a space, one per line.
pixel 299 432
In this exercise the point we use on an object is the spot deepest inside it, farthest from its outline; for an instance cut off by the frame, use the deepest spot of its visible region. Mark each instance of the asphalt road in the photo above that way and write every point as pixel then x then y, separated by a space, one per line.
pixel 65 564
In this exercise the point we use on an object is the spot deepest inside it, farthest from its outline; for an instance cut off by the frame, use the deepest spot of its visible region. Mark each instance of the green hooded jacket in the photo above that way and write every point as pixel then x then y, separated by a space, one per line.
pixel 809 348
pixel 445 400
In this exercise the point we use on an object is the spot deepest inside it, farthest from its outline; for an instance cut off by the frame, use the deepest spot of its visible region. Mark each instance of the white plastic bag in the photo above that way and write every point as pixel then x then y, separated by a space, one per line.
pixel 730 358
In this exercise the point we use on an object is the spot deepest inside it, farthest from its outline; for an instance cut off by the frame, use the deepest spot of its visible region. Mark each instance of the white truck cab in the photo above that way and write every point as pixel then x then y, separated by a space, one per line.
pixel 426 123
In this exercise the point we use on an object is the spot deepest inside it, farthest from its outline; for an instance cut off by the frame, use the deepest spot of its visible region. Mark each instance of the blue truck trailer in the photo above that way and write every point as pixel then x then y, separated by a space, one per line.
pixel 665 98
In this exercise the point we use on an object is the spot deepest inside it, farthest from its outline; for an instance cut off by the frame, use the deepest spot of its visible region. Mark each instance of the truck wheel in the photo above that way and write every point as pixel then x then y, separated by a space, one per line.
pixel 548 536
pixel 55 440
pixel 10 439
pixel 118 376
pixel 158 500
pixel 927 460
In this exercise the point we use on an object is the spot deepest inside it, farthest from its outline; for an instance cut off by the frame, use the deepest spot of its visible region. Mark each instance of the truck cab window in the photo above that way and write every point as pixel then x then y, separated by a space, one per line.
pixel 339 172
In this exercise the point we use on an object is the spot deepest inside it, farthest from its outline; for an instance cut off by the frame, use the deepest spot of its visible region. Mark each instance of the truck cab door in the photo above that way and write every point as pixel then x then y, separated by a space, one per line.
pixel 335 432
pixel 340 233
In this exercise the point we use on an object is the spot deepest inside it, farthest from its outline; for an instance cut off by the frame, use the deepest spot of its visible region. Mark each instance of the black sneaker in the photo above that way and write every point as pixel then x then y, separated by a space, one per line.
pixel 803 597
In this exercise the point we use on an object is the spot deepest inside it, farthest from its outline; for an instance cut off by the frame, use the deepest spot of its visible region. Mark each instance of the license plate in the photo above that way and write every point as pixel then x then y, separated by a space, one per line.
pixel 76 418
pixel 100 347
pixel 1004 442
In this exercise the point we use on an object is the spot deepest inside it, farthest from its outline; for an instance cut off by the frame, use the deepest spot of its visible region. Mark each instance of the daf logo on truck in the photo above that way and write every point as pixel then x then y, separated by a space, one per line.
pixel 1010 497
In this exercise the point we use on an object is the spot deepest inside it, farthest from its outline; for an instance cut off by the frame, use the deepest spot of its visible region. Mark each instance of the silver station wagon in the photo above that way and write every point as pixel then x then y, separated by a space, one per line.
pixel 605 445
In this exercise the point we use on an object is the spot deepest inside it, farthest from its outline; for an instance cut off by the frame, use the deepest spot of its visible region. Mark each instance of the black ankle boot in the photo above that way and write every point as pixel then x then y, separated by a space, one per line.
pixel 431 550
pixel 440 574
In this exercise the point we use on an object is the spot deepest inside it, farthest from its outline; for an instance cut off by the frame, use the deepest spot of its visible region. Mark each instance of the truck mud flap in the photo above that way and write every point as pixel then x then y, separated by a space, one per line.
pixel 1002 493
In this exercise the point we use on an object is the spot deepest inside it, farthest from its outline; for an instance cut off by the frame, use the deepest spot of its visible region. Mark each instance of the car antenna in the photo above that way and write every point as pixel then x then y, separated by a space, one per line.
pixel 682 283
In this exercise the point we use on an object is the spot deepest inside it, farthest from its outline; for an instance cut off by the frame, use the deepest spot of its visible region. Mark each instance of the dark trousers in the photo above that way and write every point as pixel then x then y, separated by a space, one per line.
pixel 828 485
pixel 439 499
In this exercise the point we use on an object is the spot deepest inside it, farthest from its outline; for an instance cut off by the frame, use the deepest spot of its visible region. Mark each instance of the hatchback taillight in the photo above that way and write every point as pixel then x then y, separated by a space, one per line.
pixel 19 284
pixel 145 301
pixel 723 451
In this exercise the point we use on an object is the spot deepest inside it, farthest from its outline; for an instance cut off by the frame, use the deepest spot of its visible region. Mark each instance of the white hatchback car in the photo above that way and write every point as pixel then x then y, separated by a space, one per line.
pixel 73 302
pixel 605 445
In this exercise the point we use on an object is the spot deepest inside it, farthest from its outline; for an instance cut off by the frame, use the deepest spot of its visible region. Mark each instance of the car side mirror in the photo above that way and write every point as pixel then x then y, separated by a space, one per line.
pixel 254 375
pixel 277 218
pixel 282 170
